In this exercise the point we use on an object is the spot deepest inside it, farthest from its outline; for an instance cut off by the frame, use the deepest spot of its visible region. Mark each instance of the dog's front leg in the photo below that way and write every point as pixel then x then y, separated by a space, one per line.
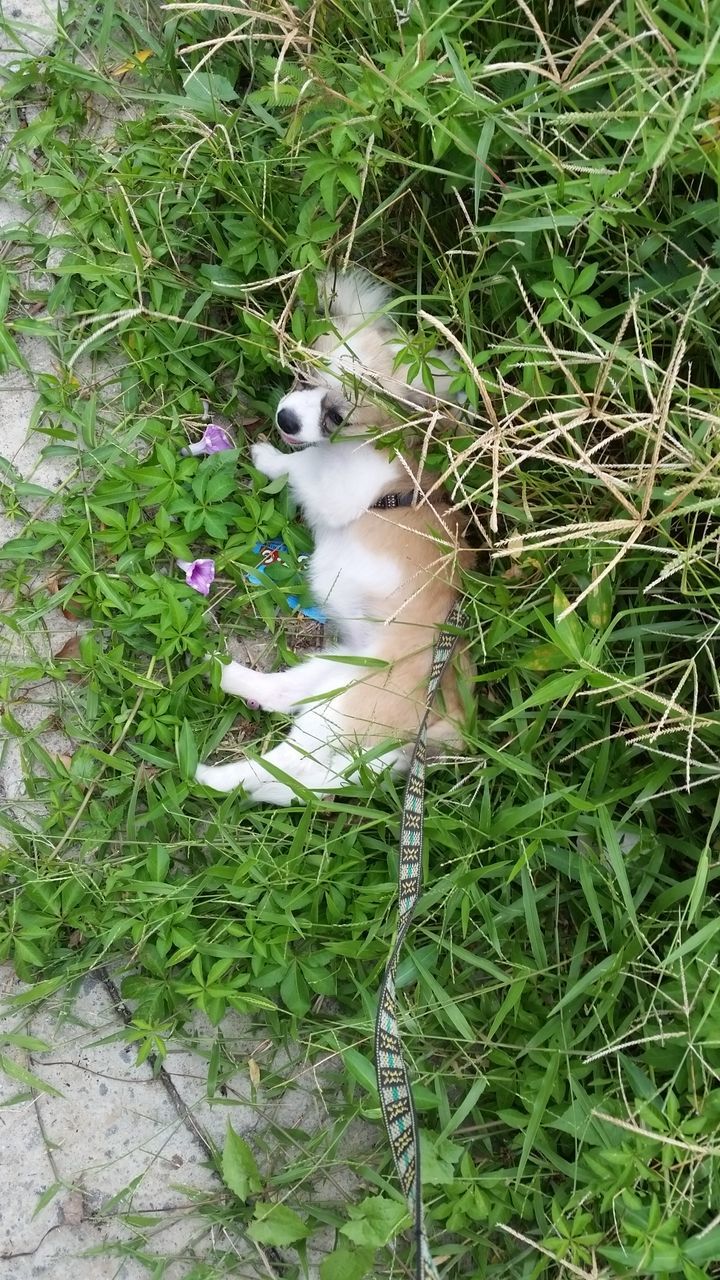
pixel 283 690
pixel 270 460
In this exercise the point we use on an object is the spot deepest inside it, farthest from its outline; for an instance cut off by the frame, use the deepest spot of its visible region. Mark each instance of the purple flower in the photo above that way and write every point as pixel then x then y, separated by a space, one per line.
pixel 198 574
pixel 214 440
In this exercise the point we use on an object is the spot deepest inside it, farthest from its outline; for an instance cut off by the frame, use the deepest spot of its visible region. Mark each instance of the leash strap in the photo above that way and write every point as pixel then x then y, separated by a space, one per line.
pixel 393 1081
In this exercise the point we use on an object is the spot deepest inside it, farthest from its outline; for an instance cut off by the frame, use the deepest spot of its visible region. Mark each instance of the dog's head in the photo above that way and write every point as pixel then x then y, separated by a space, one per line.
pixel 341 396
pixel 350 391
pixel 313 411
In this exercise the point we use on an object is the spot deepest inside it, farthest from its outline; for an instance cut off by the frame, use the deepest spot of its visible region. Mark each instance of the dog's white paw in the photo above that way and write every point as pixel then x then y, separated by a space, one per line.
pixel 231 677
pixel 223 777
pixel 269 460
pixel 241 682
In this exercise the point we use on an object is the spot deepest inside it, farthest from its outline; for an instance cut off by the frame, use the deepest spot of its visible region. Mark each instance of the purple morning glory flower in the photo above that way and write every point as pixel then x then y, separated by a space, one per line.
pixel 198 574
pixel 214 440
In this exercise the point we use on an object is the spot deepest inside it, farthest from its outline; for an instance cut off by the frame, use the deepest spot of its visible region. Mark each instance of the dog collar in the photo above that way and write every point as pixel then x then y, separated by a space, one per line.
pixel 392 500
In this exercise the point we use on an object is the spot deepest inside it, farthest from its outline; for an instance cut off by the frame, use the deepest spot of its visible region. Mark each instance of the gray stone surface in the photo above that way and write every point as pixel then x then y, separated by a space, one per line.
pixel 29 27
pixel 112 1138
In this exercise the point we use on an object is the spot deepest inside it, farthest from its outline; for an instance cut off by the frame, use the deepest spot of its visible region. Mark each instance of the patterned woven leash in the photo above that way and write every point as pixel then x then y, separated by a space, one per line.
pixel 392 1077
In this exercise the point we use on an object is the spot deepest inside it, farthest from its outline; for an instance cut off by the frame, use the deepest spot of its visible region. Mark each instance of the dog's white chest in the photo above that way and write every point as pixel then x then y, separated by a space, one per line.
pixel 350 582
pixel 335 483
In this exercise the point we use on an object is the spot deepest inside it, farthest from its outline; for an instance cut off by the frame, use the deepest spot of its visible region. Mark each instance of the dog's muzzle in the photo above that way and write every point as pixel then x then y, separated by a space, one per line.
pixel 288 422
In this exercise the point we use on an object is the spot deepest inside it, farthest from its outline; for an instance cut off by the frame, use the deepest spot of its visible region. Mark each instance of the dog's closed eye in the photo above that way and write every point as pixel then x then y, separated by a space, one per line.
pixel 335 416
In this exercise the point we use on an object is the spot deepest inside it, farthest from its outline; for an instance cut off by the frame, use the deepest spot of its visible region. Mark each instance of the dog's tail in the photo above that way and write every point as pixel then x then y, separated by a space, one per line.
pixel 354 297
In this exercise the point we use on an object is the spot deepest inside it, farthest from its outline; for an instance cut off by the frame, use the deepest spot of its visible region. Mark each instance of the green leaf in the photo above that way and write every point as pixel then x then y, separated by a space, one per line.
pixel 186 750
pixel 223 280
pixel 588 888
pixel 361 1069
pixel 350 179
pixel 10 350
pixel 18 1040
pixel 26 489
pixel 585 279
pixel 18 1072
pixel 375 1221
pixel 277 1225
pixel 542 222
pixel 438 1158
pixel 294 990
pixel 327 193
pixel 208 86
pixel 47 1196
pixel 239 1169
pixel 28 953
pixel 698 939
pixel 589 306
pixel 347 1264
pixel 540 1101
pixel 648 1260
pixel 616 858
pixel 4 291
pixel 545 289
pixel 600 600
pixel 564 274
pixel 543 657
pixel 548 692
pixel 704 1247
pixel 158 863
pixel 19 549
pixel 553 311
pixel 220 485
pixel 588 980
pixel 569 629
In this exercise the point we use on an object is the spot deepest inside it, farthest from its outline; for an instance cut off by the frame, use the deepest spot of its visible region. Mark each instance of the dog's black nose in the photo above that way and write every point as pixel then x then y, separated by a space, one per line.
pixel 288 422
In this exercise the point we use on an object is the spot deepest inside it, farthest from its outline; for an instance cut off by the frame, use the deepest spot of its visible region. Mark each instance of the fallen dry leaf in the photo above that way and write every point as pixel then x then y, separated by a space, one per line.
pixel 72 611
pixel 73 1209
pixel 141 56
pixel 70 649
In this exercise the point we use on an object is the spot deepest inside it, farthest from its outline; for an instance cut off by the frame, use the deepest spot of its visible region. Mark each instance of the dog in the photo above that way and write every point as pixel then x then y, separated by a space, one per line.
pixel 386 568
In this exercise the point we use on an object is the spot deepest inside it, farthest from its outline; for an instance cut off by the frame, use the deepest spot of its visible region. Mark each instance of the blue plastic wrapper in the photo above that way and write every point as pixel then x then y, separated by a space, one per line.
pixel 271 553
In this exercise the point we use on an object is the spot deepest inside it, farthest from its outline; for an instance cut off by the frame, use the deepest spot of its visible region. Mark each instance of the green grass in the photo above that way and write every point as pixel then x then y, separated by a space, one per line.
pixel 542 184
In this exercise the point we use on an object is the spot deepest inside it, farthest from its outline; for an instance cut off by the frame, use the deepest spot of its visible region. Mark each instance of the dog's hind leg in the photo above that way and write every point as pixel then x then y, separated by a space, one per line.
pixel 262 785
pixel 307 756
pixel 324 770
pixel 444 735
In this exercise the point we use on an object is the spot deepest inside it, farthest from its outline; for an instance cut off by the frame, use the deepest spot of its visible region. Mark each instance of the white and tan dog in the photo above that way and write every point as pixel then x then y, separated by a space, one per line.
pixel 385 568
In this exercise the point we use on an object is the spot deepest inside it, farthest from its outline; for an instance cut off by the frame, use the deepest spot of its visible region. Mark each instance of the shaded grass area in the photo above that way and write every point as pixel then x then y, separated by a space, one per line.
pixel 541 185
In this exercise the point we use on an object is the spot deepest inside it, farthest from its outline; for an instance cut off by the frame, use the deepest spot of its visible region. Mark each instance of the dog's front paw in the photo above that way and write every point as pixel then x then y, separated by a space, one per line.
pixel 241 682
pixel 269 460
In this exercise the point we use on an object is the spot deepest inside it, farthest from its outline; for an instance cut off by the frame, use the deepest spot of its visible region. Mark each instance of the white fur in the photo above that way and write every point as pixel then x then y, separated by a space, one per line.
pixel 334 483
pixel 355 295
